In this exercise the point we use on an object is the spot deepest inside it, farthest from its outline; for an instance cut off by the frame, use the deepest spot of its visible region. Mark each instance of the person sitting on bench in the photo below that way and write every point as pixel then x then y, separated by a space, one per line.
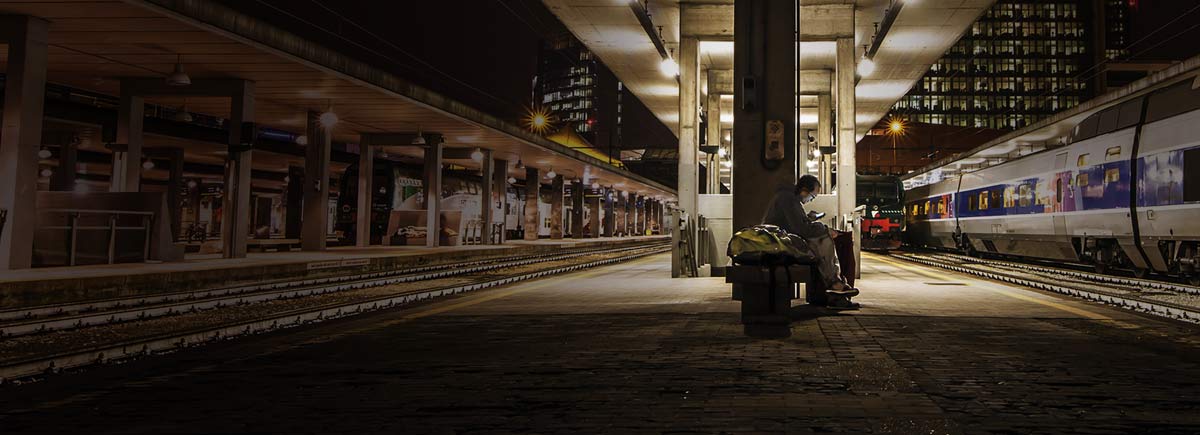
pixel 786 210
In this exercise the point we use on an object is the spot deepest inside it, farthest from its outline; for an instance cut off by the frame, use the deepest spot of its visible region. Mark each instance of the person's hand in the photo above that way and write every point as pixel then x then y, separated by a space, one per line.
pixel 832 233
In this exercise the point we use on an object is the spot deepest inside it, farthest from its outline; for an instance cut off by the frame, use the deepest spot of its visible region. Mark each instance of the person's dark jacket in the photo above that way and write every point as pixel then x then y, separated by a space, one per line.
pixel 787 212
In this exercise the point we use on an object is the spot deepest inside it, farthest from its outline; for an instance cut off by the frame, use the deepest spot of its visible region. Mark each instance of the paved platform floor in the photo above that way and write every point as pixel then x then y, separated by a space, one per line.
pixel 624 349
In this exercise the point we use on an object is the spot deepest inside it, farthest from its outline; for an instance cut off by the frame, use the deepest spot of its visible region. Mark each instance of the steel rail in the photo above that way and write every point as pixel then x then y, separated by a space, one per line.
pixel 161 343
pixel 192 303
pixel 1097 277
pixel 99 304
pixel 1158 308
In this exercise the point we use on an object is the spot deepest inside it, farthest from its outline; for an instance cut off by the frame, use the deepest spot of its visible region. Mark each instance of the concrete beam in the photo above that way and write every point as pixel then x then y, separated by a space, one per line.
pixel 127 151
pixel 431 183
pixel 532 188
pixel 235 228
pixel 689 135
pixel 398 139
pixel 556 207
pixel 21 136
pixel 593 206
pixel 485 197
pixel 366 191
pixel 846 160
pixel 316 191
pixel 764 55
pixel 499 200
pixel 577 209
pixel 812 81
pixel 715 22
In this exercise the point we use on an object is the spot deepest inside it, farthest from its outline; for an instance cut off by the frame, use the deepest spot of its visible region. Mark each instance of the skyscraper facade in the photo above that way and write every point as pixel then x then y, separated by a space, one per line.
pixel 1022 61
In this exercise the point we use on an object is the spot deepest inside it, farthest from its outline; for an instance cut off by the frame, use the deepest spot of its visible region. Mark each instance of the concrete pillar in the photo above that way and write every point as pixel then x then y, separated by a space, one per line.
pixel 610 217
pixel 532 186
pixel 620 212
pixel 593 205
pixel 64 176
pixel 235 229
pixel 431 183
pixel 689 104
pixel 127 152
pixel 366 192
pixel 824 135
pixel 556 208
pixel 577 209
pixel 485 197
pixel 764 73
pixel 294 205
pixel 21 136
pixel 316 189
pixel 499 197
pixel 846 160
pixel 176 185
pixel 712 108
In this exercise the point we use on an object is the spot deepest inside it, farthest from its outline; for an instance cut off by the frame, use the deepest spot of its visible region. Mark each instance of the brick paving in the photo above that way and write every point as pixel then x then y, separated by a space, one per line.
pixel 624 350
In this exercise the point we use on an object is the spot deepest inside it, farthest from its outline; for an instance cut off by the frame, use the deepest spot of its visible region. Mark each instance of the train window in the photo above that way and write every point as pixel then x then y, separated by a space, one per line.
pixel 983 200
pixel 1081 180
pixel 1191 175
pixel 1112 153
pixel 1131 113
pixel 1108 121
pixel 1010 200
pixel 1087 128
pixel 1024 194
pixel 1081 161
pixel 1174 100
pixel 1058 190
pixel 997 198
pixel 972 203
pixel 1112 175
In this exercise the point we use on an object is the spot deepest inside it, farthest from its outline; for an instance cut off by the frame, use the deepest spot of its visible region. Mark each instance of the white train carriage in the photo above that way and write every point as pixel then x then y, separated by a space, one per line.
pixel 1125 193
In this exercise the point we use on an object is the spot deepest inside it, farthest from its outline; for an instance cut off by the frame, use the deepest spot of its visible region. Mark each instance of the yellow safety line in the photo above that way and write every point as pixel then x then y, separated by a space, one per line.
pixel 1014 295
pixel 498 295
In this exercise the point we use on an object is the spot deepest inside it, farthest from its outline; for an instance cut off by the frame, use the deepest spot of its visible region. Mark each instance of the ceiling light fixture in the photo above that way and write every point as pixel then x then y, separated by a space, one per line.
pixel 181 114
pixel 512 180
pixel 420 139
pixel 47 172
pixel 44 153
pixel 551 174
pixel 866 67
pixel 669 67
pixel 328 119
pixel 148 164
pixel 477 155
pixel 178 77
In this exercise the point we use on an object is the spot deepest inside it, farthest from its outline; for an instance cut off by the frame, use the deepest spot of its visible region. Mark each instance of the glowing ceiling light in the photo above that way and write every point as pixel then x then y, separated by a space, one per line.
pixel 148 165
pixel 669 67
pixel 44 153
pixel 551 174
pixel 477 155
pixel 47 172
pixel 512 180
pixel 328 119
pixel 538 120
pixel 866 67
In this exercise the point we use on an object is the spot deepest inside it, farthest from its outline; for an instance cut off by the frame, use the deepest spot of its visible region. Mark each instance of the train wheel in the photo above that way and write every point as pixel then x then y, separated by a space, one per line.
pixel 1101 268
pixel 1194 280
pixel 1141 272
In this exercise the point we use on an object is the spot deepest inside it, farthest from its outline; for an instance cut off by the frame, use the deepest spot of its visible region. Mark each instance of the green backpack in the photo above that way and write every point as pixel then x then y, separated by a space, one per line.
pixel 768 245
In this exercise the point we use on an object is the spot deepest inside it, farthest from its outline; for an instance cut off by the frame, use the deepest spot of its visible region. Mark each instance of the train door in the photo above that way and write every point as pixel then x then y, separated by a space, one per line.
pixel 1060 189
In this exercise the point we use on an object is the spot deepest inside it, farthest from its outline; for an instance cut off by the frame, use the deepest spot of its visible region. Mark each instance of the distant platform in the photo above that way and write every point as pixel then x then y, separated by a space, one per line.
pixel 56 285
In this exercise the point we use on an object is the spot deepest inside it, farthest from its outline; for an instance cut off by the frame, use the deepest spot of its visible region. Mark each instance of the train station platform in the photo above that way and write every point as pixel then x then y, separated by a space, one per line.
pixel 58 285
pixel 624 349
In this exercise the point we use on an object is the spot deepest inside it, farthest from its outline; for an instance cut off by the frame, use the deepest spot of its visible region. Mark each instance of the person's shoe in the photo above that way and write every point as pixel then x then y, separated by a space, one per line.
pixel 842 303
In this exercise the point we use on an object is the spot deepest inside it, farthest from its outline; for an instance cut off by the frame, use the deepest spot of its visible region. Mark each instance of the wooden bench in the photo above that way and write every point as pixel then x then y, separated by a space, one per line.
pixel 767 301
pixel 266 245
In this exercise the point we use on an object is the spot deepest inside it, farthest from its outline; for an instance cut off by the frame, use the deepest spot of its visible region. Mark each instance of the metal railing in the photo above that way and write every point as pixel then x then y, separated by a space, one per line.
pixel 73 227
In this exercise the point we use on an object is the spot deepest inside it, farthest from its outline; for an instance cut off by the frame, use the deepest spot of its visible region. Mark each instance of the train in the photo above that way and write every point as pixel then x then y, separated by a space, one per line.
pixel 1122 193
pixel 883 216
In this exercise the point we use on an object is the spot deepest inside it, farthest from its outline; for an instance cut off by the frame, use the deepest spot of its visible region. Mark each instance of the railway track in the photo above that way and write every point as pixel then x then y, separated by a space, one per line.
pixel 42 319
pixel 486 274
pixel 1154 297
